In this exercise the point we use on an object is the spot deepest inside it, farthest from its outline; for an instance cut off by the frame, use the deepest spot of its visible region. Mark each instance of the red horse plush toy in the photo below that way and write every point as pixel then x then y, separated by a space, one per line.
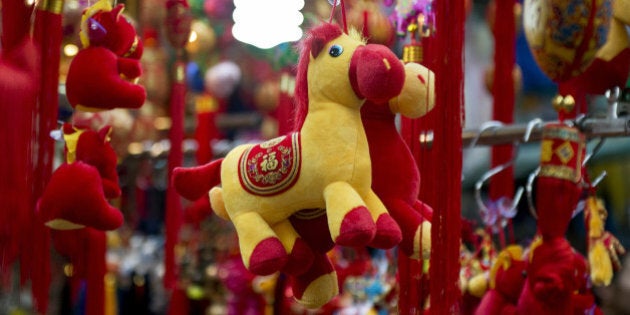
pixel 101 76
pixel 77 193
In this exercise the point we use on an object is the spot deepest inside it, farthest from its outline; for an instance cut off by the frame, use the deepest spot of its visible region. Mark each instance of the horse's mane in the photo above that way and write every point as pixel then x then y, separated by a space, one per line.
pixel 312 44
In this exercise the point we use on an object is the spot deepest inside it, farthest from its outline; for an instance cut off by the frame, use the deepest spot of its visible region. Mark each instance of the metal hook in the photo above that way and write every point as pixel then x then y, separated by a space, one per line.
pixel 532 176
pixel 595 150
pixel 612 96
pixel 530 127
pixel 529 187
pixel 589 156
pixel 486 176
pixel 492 124
pixel 599 179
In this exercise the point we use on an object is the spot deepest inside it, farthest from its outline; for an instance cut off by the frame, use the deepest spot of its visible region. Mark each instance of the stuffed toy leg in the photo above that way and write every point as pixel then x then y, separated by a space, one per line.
pixel 260 184
pixel 395 180
pixel 195 182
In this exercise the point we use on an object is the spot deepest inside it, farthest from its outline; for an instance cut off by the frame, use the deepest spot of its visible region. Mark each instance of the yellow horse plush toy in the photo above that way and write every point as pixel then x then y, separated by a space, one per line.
pixel 326 165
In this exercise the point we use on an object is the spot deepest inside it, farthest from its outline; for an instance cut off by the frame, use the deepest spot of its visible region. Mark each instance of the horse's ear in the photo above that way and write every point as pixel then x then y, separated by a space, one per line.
pixel 104 133
pixel 317 44
pixel 117 11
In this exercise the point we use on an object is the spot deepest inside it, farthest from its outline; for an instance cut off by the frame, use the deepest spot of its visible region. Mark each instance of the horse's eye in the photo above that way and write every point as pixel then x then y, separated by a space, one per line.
pixel 335 50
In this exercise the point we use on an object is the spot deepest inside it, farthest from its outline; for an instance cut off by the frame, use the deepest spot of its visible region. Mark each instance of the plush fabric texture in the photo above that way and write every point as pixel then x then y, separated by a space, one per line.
pixel 507 277
pixel 74 198
pixel 99 85
pixel 318 285
pixel 115 32
pixel 93 148
pixel 194 182
pixel 78 192
pixel 109 83
pixel 550 280
pixel 335 170
pixel 395 179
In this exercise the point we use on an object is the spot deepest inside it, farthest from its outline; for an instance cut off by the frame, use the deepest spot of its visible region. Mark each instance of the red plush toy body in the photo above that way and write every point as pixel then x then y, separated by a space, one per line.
pixel 102 75
pixel 507 278
pixel 395 179
pixel 77 193
pixel 75 206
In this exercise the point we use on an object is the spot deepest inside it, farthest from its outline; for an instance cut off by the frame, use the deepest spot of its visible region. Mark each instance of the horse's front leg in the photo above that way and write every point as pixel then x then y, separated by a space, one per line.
pixel 261 250
pixel 388 232
pixel 349 221
pixel 416 228
pixel 300 253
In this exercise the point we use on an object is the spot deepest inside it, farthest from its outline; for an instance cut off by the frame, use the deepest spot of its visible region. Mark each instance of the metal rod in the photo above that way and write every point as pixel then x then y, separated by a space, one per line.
pixel 508 134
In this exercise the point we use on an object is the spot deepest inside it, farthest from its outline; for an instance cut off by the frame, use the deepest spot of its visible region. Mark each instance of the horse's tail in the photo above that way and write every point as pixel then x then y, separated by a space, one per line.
pixel 194 182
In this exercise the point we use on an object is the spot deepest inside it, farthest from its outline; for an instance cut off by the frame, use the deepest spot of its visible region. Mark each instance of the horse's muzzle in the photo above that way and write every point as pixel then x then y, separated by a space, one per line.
pixel 376 74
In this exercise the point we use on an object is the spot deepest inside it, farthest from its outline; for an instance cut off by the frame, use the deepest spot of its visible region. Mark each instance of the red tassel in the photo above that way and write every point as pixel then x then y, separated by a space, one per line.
pixel 48 34
pixel 178 20
pixel 174 212
pixel 95 252
pixel 18 88
pixel 502 185
pixel 441 164
pixel 179 302
pixel 206 130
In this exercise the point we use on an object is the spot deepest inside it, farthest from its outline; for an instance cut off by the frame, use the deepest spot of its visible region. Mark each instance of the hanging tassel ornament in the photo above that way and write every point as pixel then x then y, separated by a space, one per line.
pixel 178 22
pixel 604 249
pixel 21 236
pixel 552 262
pixel 48 35
pixel 440 163
pixel 414 290
pixel 503 92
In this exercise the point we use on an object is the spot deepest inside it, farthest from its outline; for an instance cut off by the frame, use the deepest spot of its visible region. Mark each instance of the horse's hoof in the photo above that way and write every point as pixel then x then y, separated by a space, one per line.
pixel 388 232
pixel 319 292
pixel 417 245
pixel 268 257
pixel 357 228
pixel 318 285
pixel 300 258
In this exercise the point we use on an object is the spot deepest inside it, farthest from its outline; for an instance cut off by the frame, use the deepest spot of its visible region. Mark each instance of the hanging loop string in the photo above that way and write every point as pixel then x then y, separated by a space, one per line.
pixel 343 14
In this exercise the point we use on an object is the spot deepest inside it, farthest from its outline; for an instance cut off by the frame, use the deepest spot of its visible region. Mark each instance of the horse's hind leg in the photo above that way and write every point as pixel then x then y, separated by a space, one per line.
pixel 423 234
pixel 416 230
pixel 261 250
pixel 217 204
pixel 318 285
pixel 300 254
pixel 388 232
pixel 349 220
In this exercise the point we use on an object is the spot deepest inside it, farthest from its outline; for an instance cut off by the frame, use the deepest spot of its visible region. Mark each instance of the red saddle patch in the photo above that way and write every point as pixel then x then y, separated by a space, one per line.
pixel 271 167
